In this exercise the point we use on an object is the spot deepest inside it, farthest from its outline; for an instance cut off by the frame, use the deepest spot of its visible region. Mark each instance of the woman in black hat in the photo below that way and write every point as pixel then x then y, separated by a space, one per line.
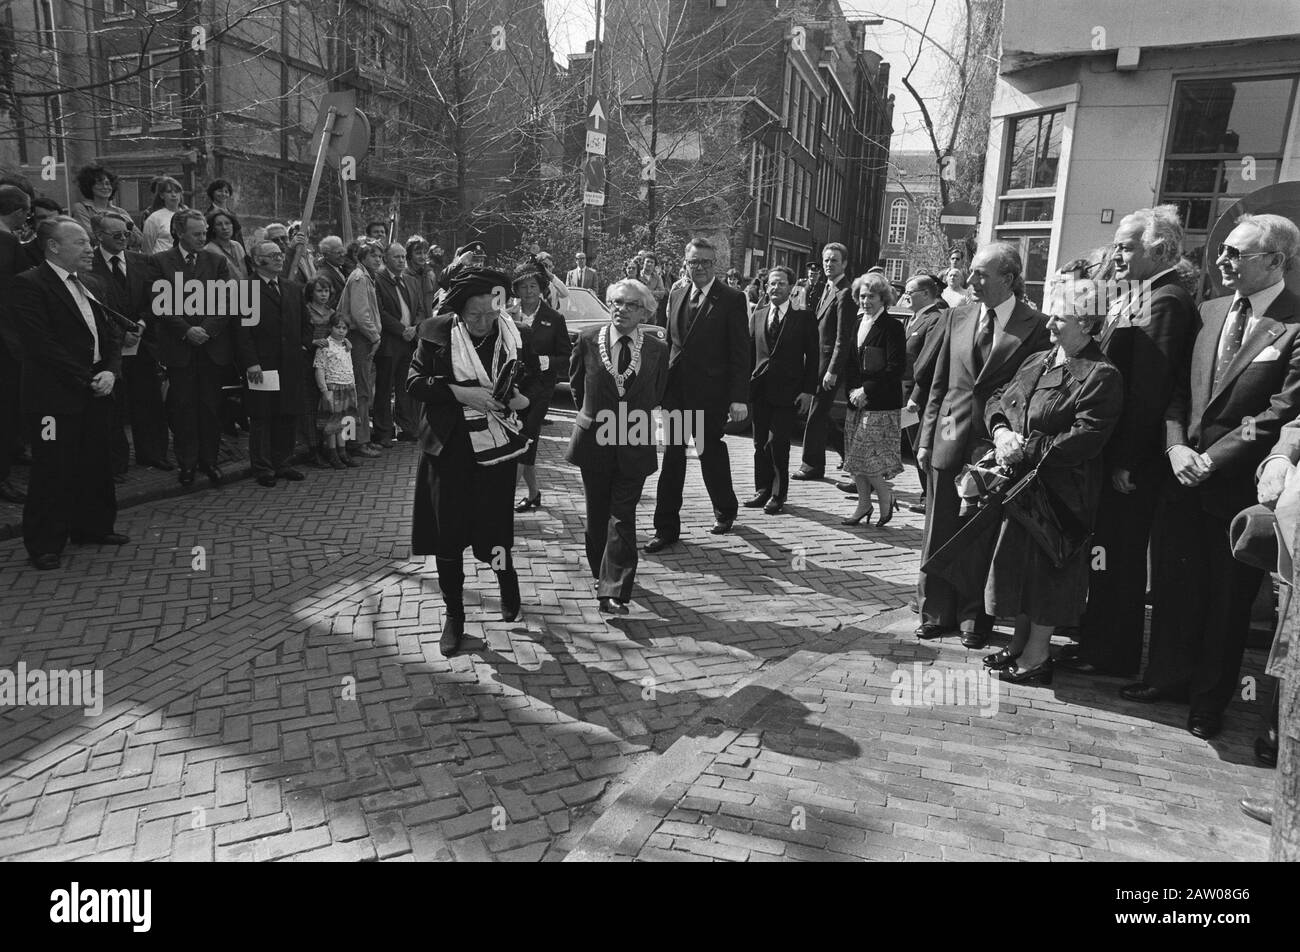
pixel 471 441
pixel 550 338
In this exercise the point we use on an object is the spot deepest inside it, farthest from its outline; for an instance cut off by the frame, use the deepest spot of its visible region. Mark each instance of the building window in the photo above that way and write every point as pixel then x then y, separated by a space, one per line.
pixel 928 219
pixel 1226 139
pixel 124 95
pixel 164 91
pixel 894 269
pixel 1029 178
pixel 897 222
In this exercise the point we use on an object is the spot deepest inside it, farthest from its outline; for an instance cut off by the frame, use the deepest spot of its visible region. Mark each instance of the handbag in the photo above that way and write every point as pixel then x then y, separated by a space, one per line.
pixel 873 359
pixel 1056 530
pixel 507 377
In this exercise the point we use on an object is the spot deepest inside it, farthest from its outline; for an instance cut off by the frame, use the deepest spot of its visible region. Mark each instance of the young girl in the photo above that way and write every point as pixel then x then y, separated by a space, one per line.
pixel 338 390
pixel 319 315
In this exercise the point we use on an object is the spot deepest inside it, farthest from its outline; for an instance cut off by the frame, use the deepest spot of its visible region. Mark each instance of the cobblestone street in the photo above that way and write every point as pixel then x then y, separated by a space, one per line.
pixel 274 690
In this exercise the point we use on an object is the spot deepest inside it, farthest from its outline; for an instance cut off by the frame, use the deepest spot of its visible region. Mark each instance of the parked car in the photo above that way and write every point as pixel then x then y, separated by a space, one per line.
pixel 581 309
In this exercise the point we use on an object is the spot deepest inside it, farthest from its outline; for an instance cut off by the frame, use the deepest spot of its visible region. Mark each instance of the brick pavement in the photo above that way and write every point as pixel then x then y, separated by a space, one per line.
pixel 287 699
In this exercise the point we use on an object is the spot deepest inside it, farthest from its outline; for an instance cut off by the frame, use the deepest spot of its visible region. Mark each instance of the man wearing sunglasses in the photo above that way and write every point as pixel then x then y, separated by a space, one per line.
pixel 1244 385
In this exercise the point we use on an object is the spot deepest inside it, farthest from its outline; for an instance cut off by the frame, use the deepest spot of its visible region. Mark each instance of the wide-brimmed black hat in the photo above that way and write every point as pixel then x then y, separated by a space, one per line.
pixel 532 268
pixel 471 282
pixel 474 246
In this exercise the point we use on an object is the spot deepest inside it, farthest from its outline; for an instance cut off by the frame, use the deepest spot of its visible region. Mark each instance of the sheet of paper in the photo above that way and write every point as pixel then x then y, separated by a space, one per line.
pixel 909 418
pixel 270 381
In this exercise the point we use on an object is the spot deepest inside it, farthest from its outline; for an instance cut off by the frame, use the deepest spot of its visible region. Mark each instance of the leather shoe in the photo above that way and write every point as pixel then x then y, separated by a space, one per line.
pixel 11 493
pixel 847 486
pixel 1145 693
pixel 291 474
pixel 808 474
pixel 267 481
pixel 658 544
pixel 1076 663
pixel 160 464
pixel 757 501
pixel 774 507
pixel 1261 810
pixel 186 477
pixel 611 606
pixel 46 562
pixel 214 474
pixel 977 639
pixel 108 538
pixel 1204 724
pixel 1265 752
pixel 916 507
pixel 926 632
pixel 453 631
pixel 722 526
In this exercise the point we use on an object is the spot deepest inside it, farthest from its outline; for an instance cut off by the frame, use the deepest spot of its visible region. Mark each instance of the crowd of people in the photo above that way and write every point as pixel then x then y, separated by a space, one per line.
pixel 1061 449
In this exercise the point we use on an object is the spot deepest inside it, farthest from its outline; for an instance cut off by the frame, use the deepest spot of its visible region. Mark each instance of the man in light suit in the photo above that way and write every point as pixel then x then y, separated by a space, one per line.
pixel 581 276
pixel 617 369
pixel 708 371
pixel 71 364
pixel 836 314
pixel 1243 387
pixel 785 357
pixel 1147 335
pixel 984 344
pixel 196 349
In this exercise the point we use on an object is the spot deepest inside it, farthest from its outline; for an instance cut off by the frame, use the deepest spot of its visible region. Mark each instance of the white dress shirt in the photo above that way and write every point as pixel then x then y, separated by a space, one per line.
pixel 1001 315
pixel 83 303
pixel 865 323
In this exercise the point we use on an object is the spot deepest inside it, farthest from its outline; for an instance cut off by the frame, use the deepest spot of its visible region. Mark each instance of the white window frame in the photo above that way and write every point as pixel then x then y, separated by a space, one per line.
pixel 894 269
pixel 113 127
pixel 898 228
pixel 158 124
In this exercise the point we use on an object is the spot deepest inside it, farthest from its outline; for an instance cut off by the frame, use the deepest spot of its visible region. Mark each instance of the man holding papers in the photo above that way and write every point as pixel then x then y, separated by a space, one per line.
pixel 273 357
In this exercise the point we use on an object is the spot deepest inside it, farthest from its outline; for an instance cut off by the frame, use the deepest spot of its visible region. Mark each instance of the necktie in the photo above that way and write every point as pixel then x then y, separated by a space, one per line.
pixel 983 341
pixel 828 291
pixel 1233 333
pixel 274 285
pixel 118 274
pixel 693 311
pixel 190 259
pixel 624 355
pixel 773 325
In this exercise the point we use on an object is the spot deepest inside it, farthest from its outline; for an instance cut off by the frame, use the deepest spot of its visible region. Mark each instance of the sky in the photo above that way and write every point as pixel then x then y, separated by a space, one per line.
pixel 572 22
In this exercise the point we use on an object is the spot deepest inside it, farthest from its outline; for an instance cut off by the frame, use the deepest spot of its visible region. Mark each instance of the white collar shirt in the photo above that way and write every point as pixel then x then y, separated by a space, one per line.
pixel 1260 302
pixel 78 293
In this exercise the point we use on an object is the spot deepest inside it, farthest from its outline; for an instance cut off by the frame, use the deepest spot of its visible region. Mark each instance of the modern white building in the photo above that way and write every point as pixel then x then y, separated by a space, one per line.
pixel 1113 105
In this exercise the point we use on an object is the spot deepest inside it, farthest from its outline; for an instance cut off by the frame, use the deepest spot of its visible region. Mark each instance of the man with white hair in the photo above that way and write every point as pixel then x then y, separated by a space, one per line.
pixel 333 265
pixel 1147 335
pixel 1243 387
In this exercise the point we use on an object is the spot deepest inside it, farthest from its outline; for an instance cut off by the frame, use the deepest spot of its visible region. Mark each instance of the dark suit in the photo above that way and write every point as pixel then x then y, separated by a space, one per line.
pixel 393 354
pixel 708 369
pixel 552 344
pixel 71 490
pixel 275 342
pixel 952 429
pixel 835 313
pixel 1203 596
pixel 194 373
pixel 924 337
pixel 784 367
pixel 137 397
pixel 613 472
pixel 13 261
pixel 1151 351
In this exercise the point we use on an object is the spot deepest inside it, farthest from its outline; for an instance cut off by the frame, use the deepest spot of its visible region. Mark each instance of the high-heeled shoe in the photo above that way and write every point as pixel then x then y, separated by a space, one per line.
pixel 526 503
pixel 1038 674
pixel 1000 659
pixel 887 514
pixel 857 517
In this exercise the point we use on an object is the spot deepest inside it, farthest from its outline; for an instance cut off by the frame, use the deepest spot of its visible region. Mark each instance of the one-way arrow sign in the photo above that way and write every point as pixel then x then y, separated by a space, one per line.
pixel 595 115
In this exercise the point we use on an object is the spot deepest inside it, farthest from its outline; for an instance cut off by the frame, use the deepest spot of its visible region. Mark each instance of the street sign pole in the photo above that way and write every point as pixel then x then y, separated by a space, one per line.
pixel 589 209
pixel 327 129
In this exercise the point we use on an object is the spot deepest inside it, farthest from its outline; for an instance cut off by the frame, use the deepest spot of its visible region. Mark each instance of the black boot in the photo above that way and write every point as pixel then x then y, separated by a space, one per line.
pixel 511 608
pixel 451 580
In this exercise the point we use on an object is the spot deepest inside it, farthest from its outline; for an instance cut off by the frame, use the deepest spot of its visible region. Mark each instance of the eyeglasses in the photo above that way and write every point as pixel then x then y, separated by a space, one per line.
pixel 699 263
pixel 620 305
pixel 1234 254
pixel 273 254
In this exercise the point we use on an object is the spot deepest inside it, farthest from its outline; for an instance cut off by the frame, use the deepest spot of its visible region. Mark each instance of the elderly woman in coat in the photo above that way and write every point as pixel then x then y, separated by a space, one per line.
pixel 1055 415
pixel 550 338
pixel 470 440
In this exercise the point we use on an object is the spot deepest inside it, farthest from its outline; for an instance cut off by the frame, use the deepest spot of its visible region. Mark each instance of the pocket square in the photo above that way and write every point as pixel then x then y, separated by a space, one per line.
pixel 1268 353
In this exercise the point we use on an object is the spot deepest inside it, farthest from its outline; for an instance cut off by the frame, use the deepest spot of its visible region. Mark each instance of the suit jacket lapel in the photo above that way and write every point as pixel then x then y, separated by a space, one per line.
pixel 758 329
pixel 1267 329
pixel 703 311
pixel 1018 328
pixel 61 289
pixel 963 334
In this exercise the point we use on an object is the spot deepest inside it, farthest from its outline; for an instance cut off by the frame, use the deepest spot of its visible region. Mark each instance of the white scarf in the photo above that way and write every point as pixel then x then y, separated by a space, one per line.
pixel 494 436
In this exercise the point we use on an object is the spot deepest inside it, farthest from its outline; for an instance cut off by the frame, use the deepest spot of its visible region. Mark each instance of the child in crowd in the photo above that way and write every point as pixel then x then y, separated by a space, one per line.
pixel 338 390
pixel 319 314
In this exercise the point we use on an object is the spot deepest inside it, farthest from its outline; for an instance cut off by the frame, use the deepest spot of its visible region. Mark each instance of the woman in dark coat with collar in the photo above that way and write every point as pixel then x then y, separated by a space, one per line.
pixel 469 441
pixel 1057 414
pixel 551 343
pixel 873 377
